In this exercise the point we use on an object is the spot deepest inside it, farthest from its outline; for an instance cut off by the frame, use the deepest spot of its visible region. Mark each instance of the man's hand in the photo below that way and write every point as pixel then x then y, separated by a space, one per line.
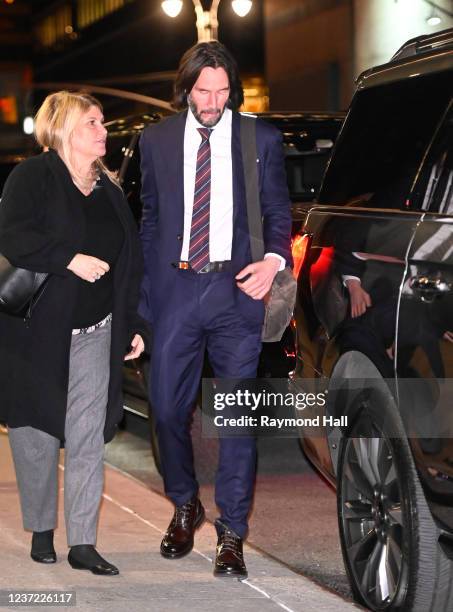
pixel 137 346
pixel 360 299
pixel 88 268
pixel 260 276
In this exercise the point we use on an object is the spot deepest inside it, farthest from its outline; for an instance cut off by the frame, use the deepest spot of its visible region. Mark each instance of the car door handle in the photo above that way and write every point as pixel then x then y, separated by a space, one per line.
pixel 429 287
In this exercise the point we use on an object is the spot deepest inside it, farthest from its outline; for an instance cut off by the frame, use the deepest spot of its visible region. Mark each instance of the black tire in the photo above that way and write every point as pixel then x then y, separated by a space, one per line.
pixel 388 537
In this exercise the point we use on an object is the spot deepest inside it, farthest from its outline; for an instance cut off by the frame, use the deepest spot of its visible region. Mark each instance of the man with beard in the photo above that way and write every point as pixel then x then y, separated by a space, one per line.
pixel 200 290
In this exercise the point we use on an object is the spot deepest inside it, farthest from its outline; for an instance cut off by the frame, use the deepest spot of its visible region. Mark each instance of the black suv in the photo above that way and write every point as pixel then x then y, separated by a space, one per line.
pixel 374 326
pixel 308 141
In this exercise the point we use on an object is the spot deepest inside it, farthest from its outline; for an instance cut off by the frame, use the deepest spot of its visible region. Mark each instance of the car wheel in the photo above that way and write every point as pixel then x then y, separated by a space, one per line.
pixel 388 537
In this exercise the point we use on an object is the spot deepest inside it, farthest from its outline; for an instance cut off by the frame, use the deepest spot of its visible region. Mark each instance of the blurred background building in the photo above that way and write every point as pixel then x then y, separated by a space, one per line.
pixel 293 54
pixel 316 48
pixel 16 45
pixel 115 40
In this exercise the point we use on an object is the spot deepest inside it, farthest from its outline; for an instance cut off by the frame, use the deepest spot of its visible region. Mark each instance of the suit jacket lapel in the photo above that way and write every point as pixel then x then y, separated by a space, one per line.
pixel 176 165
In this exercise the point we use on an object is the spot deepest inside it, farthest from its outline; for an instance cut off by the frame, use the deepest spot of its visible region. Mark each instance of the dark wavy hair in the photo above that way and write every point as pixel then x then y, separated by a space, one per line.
pixel 210 54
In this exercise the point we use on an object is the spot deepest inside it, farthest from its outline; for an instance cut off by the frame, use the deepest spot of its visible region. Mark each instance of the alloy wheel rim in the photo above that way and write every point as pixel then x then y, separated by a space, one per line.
pixel 372 518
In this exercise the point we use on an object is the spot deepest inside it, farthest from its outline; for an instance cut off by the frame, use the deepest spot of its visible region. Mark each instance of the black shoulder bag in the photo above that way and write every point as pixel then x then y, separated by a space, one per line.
pixel 20 289
pixel 279 303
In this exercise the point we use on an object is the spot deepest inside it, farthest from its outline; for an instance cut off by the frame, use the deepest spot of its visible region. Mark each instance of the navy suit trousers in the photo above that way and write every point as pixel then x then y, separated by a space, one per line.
pixel 202 313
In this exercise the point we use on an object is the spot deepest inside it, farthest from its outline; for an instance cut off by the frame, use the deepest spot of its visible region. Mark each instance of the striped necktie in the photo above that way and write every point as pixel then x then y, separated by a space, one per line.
pixel 199 230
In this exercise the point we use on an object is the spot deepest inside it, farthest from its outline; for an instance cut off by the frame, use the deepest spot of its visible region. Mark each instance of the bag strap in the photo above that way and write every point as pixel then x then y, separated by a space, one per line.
pixel 249 160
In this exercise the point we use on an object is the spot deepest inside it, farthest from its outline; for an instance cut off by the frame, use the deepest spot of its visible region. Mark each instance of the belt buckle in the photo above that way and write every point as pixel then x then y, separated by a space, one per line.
pixel 181 265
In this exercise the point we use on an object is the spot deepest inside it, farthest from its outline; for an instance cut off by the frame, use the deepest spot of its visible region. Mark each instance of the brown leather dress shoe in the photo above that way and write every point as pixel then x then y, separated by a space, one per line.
pixel 229 560
pixel 178 540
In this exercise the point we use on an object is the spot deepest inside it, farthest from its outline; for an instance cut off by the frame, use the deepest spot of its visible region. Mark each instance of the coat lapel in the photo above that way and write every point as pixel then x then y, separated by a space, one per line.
pixel 65 197
pixel 175 160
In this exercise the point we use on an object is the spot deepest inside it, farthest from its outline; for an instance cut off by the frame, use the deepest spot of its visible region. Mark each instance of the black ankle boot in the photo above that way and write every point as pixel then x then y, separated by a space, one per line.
pixel 86 557
pixel 42 550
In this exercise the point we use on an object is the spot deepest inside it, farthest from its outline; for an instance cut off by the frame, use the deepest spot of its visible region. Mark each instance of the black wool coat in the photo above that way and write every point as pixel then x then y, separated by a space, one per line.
pixel 42 227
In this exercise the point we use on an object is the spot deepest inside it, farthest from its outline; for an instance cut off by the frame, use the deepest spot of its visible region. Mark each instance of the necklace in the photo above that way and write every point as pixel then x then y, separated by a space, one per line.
pixel 88 184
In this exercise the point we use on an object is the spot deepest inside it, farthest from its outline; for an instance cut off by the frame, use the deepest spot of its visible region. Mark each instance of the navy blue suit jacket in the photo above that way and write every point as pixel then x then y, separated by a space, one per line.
pixel 162 163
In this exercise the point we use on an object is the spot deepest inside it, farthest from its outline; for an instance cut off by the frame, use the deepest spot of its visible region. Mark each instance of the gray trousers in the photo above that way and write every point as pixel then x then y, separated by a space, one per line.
pixel 36 453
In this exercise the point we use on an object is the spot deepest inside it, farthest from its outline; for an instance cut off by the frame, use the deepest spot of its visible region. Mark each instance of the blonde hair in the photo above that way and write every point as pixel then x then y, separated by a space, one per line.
pixel 55 122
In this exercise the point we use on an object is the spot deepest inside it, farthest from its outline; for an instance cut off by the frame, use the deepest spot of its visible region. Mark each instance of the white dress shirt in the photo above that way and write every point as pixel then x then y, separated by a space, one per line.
pixel 221 207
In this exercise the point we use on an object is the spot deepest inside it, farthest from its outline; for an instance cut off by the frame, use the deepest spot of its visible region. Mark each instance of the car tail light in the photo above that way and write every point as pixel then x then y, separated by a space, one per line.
pixel 299 249
pixel 322 266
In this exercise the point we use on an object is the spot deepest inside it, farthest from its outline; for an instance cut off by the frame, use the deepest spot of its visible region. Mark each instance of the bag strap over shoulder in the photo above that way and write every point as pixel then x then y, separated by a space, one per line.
pixel 249 160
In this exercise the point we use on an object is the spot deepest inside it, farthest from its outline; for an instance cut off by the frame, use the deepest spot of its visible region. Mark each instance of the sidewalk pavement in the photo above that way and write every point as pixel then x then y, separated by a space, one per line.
pixel 132 522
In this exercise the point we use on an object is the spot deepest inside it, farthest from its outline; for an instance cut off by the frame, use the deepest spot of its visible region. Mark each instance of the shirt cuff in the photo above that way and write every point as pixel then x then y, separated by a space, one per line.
pixel 346 277
pixel 282 260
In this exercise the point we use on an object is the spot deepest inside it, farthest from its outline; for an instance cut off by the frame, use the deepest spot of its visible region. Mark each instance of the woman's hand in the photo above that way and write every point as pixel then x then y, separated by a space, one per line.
pixel 138 346
pixel 88 268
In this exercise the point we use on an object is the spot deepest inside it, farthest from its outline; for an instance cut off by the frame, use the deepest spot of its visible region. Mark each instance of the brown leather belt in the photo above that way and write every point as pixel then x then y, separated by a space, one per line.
pixel 212 266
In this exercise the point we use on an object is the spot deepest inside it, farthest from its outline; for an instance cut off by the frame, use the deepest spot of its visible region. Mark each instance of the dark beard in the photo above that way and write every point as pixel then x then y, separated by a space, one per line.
pixel 210 123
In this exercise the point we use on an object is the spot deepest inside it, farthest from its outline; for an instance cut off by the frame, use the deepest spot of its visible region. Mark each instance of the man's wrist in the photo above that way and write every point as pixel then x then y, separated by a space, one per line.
pixel 281 260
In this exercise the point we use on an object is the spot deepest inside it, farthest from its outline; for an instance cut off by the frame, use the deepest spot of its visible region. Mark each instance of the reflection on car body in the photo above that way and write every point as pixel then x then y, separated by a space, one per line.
pixel 385 219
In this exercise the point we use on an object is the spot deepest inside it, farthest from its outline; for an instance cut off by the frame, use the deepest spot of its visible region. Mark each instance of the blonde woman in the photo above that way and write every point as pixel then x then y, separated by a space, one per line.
pixel 62 212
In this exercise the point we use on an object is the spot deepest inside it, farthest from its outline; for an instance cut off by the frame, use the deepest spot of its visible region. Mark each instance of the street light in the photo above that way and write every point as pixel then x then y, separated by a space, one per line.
pixel 172 8
pixel 207 22
pixel 28 125
pixel 241 7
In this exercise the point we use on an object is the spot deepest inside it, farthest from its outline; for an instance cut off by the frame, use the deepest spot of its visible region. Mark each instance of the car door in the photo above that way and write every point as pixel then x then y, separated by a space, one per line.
pixel 424 353
pixel 365 226
pixel 369 245
pixel 363 231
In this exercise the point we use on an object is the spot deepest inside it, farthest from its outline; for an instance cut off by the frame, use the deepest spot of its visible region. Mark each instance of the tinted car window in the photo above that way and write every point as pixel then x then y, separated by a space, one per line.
pixel 382 143
pixel 132 184
pixel 307 141
pixel 304 173
pixel 123 156
pixel 434 190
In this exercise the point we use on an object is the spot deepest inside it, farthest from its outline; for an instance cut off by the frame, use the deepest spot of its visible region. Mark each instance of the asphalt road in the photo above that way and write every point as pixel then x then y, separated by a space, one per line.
pixel 294 515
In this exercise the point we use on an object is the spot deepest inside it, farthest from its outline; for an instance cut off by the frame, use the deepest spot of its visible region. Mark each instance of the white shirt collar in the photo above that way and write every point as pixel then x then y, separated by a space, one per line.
pixel 223 127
